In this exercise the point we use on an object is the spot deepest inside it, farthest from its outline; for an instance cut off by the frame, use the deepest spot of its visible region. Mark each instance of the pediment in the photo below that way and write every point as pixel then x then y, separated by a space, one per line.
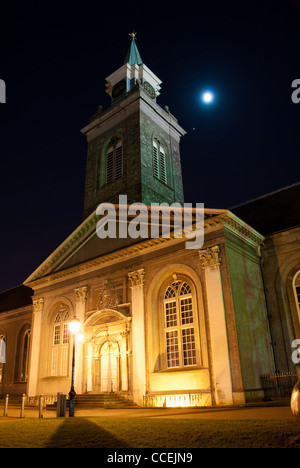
pixel 84 250
pixel 81 246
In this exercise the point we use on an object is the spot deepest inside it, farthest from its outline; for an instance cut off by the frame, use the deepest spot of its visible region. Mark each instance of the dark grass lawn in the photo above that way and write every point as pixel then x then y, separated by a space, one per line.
pixel 113 432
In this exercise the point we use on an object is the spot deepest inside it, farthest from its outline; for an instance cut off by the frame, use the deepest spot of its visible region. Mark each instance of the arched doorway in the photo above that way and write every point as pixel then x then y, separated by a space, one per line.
pixel 106 352
pixel 109 366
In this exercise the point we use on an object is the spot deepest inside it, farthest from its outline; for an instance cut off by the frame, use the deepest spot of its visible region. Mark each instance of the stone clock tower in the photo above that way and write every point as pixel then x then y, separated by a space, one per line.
pixel 133 146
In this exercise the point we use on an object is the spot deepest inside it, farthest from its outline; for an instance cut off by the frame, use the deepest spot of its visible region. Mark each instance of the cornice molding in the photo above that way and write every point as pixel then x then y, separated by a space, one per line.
pixel 213 219
pixel 241 229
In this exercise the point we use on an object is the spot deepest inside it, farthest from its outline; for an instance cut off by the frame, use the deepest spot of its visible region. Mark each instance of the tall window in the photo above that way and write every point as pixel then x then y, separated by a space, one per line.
pixel 60 343
pixel 159 161
pixel 25 356
pixel 114 160
pixel 2 355
pixel 179 325
pixel 297 292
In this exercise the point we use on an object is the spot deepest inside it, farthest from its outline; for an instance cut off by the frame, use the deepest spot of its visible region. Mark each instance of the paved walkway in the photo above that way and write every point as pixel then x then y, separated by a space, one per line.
pixel 271 410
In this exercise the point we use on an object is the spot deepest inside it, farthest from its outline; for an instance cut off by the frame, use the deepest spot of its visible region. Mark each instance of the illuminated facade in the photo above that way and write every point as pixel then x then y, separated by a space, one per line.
pixel 163 325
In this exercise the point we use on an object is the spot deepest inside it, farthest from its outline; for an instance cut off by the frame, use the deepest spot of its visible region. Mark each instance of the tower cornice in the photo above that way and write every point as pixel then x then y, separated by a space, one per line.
pixel 136 98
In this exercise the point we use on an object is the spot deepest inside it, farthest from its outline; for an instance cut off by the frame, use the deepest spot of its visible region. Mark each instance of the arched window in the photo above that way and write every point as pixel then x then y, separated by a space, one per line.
pixel 114 160
pixel 159 161
pixel 2 354
pixel 297 292
pixel 60 343
pixel 179 325
pixel 25 356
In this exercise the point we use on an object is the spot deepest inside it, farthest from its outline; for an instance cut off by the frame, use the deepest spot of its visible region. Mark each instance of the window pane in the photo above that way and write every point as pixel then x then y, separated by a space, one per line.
pixel 64 361
pixel 65 316
pixel 185 289
pixel 171 314
pixel 298 294
pixel 66 333
pixel 186 310
pixel 172 349
pixel 188 347
pixel 56 337
pixel 55 361
pixel 169 293
pixel 57 318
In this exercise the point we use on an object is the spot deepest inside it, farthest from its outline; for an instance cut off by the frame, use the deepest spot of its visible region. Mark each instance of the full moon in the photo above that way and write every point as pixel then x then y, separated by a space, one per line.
pixel 207 97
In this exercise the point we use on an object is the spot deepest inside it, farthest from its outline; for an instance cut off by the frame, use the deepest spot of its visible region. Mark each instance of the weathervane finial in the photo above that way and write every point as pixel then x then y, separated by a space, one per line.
pixel 132 35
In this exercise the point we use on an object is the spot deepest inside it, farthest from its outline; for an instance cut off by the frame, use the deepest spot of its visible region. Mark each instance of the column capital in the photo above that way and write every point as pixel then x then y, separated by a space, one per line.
pixel 38 305
pixel 137 277
pixel 210 257
pixel 81 293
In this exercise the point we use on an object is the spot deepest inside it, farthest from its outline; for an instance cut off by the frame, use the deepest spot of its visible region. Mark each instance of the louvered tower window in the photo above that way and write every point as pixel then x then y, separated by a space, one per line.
pixel 114 162
pixel 159 162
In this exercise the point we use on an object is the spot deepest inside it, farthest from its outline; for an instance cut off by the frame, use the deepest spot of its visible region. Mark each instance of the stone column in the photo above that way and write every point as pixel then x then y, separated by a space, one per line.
pixel 210 261
pixel 124 359
pixel 136 279
pixel 38 307
pixel 81 298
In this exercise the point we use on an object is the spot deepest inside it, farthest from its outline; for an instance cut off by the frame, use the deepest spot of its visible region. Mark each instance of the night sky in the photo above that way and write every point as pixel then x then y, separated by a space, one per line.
pixel 54 58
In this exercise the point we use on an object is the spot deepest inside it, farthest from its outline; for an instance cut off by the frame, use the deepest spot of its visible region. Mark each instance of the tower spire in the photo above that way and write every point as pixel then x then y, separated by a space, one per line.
pixel 133 55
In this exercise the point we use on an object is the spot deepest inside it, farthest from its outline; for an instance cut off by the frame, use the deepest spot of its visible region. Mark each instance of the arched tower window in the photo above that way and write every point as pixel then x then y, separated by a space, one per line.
pixel 159 161
pixel 179 325
pixel 114 160
pixel 60 342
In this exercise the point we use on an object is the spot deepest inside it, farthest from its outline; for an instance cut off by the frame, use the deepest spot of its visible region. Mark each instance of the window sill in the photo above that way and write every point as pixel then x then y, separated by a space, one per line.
pixel 56 377
pixel 179 369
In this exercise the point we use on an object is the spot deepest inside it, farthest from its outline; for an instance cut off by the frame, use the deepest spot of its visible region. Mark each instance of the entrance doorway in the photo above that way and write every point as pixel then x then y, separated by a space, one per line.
pixel 109 366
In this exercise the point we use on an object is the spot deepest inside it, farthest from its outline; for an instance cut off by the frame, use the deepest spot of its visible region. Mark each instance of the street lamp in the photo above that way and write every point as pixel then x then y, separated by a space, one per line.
pixel 74 327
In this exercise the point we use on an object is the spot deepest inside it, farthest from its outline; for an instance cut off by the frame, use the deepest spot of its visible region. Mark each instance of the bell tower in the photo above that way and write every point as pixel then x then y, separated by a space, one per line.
pixel 133 146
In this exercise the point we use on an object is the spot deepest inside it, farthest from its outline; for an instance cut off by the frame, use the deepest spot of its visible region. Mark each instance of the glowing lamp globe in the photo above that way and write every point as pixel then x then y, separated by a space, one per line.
pixel 74 326
pixel 295 401
pixel 80 337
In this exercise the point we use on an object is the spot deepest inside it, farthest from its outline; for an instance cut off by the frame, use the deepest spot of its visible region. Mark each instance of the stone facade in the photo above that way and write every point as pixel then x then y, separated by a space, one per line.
pixel 162 324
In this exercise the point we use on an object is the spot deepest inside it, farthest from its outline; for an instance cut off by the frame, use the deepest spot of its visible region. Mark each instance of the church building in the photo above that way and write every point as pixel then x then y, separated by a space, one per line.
pixel 161 324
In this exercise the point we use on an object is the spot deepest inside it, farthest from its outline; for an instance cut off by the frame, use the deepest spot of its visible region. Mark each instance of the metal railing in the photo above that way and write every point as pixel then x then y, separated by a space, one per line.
pixel 278 385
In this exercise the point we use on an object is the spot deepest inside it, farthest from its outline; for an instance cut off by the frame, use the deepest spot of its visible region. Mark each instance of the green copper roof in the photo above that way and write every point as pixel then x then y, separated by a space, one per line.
pixel 133 55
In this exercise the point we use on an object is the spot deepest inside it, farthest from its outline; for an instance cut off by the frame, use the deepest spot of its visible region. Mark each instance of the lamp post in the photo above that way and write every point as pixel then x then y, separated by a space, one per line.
pixel 74 327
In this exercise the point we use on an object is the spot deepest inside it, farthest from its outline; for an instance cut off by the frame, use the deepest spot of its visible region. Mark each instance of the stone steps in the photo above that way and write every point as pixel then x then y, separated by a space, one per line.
pixel 103 400
pixel 100 400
